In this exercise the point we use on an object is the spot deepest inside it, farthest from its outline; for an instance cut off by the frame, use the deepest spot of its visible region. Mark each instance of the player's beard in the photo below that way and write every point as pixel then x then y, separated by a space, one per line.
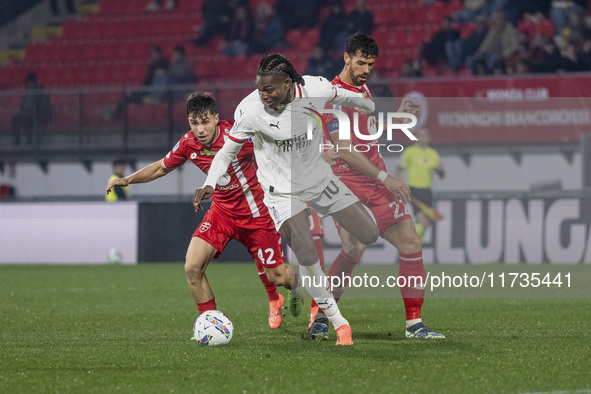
pixel 356 77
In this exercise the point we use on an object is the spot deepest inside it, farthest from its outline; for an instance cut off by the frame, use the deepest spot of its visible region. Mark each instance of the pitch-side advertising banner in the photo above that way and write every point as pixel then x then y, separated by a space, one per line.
pixel 68 233
pixel 503 111
pixel 480 231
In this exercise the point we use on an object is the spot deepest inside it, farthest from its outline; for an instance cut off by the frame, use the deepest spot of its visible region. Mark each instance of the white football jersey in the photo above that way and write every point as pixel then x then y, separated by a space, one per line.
pixel 289 162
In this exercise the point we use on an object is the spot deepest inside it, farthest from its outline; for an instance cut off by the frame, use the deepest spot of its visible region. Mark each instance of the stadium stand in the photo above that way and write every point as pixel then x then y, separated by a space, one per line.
pixel 109 50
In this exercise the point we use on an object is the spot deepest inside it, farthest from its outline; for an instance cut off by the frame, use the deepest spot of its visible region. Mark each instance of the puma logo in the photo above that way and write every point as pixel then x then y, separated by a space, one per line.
pixel 274 125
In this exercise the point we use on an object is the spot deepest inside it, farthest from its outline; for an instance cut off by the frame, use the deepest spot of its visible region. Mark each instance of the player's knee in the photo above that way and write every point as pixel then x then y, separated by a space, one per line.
pixel 354 249
pixel 194 271
pixel 413 242
pixel 369 237
pixel 277 276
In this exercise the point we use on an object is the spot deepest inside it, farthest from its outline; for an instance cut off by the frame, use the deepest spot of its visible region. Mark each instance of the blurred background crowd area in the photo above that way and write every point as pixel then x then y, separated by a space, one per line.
pixel 109 77
pixel 111 42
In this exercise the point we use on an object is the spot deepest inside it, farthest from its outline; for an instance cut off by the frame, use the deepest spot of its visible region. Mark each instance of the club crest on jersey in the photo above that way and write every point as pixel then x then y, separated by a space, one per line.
pixel 204 227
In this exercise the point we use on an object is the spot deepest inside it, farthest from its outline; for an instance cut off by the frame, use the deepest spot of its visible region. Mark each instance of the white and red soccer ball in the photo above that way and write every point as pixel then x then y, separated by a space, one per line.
pixel 213 328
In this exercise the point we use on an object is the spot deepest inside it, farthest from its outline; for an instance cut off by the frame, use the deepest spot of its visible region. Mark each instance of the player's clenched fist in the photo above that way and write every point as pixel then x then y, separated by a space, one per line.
pixel 397 186
pixel 117 182
pixel 201 194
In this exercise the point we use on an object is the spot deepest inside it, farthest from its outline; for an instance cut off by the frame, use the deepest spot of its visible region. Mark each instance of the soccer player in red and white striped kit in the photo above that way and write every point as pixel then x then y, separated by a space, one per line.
pixel 237 210
pixel 365 174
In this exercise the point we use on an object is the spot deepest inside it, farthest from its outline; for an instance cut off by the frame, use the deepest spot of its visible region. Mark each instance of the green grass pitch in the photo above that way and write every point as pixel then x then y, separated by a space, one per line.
pixel 104 329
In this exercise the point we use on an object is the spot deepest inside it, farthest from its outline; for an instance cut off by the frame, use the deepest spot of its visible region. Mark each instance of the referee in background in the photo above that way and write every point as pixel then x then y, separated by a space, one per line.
pixel 120 192
pixel 419 160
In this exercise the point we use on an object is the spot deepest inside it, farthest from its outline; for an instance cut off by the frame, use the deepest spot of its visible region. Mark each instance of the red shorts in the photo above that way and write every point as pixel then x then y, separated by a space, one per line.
pixel 259 236
pixel 386 208
pixel 316 225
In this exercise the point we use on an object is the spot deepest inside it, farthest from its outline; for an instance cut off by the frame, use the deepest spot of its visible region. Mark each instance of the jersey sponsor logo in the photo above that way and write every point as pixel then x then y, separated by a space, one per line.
pixel 297 142
pixel 175 147
pixel 228 187
pixel 193 156
pixel 224 180
pixel 207 152
pixel 204 227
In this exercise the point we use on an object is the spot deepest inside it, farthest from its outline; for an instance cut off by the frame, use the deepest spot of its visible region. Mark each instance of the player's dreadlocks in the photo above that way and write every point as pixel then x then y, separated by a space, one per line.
pixel 277 64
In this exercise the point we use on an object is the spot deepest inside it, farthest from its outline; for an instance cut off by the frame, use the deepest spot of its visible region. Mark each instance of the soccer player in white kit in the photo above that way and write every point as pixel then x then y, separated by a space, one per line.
pixel 291 169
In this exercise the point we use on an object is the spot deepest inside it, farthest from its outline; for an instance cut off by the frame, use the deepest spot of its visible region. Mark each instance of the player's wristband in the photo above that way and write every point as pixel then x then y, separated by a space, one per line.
pixel 382 176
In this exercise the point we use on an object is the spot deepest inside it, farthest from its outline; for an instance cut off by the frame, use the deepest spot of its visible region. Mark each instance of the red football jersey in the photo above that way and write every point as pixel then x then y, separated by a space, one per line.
pixel 367 126
pixel 238 193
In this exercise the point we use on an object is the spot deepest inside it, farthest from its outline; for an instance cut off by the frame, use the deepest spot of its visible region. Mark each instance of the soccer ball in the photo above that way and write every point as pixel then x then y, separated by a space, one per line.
pixel 213 328
pixel 114 256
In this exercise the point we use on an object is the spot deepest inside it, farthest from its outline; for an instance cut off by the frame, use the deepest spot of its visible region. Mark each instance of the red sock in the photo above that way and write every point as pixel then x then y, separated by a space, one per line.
pixel 207 306
pixel 269 287
pixel 319 251
pixel 342 266
pixel 412 265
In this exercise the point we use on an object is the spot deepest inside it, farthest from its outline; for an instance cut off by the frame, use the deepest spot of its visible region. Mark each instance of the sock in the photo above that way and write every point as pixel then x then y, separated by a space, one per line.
pixel 319 251
pixel 420 230
pixel 269 287
pixel 342 267
pixel 316 284
pixel 207 306
pixel 411 265
pixel 410 323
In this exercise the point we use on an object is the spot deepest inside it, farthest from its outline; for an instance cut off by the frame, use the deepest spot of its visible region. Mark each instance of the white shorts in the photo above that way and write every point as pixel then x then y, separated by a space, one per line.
pixel 335 196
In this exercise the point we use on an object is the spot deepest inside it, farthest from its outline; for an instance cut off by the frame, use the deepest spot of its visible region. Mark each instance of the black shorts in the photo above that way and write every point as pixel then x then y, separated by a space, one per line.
pixel 423 195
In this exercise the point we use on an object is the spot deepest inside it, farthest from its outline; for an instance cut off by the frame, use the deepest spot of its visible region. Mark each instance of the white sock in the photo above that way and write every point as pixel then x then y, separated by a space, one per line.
pixel 410 323
pixel 312 278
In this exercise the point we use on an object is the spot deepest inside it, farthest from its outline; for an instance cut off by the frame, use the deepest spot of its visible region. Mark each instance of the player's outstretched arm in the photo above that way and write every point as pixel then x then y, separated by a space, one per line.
pixel 360 162
pixel 222 161
pixel 346 98
pixel 202 194
pixel 146 174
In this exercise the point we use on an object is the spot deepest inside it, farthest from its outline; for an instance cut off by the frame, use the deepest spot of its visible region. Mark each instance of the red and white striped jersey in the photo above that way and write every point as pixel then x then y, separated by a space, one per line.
pixel 367 126
pixel 238 192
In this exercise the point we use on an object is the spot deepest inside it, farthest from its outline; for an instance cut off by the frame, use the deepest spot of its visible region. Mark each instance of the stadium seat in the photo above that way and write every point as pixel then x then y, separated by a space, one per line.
pixel 468 29
pixel 415 36
pixel 435 12
pixel 453 6
pixel 527 25
pixel 401 13
pixel 546 27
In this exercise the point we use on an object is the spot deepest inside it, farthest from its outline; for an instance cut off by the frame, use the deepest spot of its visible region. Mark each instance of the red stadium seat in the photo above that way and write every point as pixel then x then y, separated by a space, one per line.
pixel 383 14
pixel 401 13
pixel 453 6
pixel 398 37
pixel 527 25
pixel 468 29
pixel 419 13
pixel 435 12
pixel 415 36
pixel 381 35
pixel 546 27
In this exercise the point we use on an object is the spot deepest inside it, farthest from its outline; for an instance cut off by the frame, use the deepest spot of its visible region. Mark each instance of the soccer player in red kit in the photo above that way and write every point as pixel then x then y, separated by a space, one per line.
pixel 365 174
pixel 237 209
